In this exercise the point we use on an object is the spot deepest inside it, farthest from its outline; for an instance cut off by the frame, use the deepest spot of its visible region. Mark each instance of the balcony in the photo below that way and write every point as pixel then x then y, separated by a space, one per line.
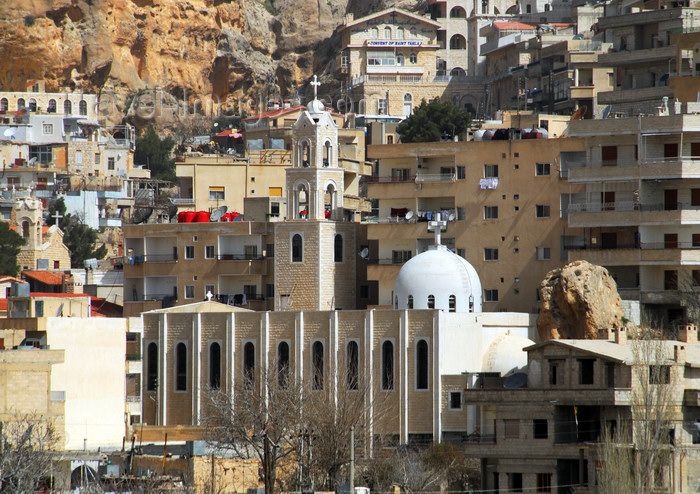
pixel 413 227
pixel 633 95
pixel 661 297
pixel 627 213
pixel 646 253
pixel 435 177
pixel 582 92
pixel 650 169
pixel 624 57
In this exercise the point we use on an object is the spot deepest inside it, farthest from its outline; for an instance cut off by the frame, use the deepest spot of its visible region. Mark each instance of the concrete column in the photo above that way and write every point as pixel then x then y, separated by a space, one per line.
pixel 196 369
pixel 402 348
pixel 163 370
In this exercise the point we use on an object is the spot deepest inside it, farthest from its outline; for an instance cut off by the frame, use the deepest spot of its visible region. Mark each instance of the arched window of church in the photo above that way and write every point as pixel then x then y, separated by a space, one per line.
pixel 302 202
pixel 215 366
pixel 327 153
pixel 67 107
pixel 400 59
pixel 387 32
pixel 51 108
pixel 297 248
pixel 25 229
pixel 181 367
pixel 413 58
pixel 431 301
pixel 338 248
pixel 305 154
pixel 400 33
pixel 453 303
pixel 317 362
pixel 283 365
pixel 329 201
pixel 21 104
pixel 249 363
pixel 32 104
pixel 410 301
pixel 387 365
pixel 374 32
pixel 422 365
pixel 484 6
pixel 82 107
pixel 353 364
pixel 4 105
pixel 152 367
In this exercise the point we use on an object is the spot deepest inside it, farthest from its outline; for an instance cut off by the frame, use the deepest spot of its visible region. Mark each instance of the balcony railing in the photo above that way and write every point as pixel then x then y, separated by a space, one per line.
pixel 381 180
pixel 240 257
pixel 138 259
pixel 629 206
pixel 436 177
pixel 420 216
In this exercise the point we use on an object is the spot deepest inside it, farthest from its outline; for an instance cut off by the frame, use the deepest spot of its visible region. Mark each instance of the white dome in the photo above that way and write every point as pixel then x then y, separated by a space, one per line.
pixel 315 106
pixel 505 354
pixel 442 274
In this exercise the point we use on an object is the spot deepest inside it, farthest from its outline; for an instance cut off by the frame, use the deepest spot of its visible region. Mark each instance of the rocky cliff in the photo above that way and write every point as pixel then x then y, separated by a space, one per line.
pixel 229 49
pixel 578 301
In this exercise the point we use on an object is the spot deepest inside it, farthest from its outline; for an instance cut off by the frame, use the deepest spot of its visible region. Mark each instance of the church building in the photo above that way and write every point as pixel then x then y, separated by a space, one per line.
pixel 421 355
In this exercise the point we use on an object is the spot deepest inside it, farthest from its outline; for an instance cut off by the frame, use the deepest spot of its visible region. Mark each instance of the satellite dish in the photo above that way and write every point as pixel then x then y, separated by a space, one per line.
pixel 409 215
pixel 172 210
pixel 451 217
pixel 10 132
pixel 141 215
pixel 515 381
pixel 364 253
pixel 33 160
pixel 218 214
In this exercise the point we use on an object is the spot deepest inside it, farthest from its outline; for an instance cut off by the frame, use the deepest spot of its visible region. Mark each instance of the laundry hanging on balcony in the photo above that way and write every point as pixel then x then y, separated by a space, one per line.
pixel 488 183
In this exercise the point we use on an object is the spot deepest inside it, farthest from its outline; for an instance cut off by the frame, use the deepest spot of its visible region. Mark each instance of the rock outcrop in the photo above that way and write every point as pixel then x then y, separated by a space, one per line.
pixel 231 50
pixel 578 300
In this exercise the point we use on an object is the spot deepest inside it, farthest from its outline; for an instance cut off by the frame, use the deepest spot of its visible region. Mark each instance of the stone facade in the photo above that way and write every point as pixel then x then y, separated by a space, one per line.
pixel 42 243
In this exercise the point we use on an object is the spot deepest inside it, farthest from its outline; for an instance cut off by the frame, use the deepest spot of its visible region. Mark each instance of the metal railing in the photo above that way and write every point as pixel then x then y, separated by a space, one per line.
pixel 240 257
pixel 407 178
pixel 436 177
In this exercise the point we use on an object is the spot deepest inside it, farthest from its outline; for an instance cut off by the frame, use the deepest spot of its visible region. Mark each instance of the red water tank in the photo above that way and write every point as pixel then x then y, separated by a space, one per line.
pixel 188 217
pixel 201 217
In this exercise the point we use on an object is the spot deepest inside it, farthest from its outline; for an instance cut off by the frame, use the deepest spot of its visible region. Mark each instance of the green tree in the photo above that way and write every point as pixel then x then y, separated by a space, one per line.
pixel 155 153
pixel 10 246
pixel 80 239
pixel 433 121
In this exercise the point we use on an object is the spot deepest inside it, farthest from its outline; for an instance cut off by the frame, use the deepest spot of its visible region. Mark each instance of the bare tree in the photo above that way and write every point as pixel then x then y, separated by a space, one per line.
pixel 261 420
pixel 27 444
pixel 637 457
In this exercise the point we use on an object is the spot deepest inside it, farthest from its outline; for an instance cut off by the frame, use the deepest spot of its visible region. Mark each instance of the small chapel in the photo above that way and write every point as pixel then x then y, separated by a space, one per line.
pixel 420 355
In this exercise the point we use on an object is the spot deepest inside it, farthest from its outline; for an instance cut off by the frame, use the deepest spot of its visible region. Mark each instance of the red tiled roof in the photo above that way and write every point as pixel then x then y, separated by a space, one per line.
pixel 45 277
pixel 276 113
pixel 101 308
pixel 8 278
pixel 514 26
pixel 3 304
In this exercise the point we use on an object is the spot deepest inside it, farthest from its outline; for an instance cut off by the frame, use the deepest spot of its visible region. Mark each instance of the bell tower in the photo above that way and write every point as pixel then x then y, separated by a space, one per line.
pixel 314 260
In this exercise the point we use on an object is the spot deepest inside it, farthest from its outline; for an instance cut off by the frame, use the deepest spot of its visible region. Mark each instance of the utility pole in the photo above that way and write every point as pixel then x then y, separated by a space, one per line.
pixel 352 460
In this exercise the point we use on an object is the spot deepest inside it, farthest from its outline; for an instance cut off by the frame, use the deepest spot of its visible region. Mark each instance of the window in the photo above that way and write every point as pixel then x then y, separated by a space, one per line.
pixel 317 363
pixel 409 303
pixel 554 367
pixel 181 367
pixel 490 254
pixel 659 374
pixel 67 107
pixel 57 264
pixel 38 308
pixel 382 105
pixel 542 210
pixel 249 363
pixel 269 290
pixel 516 479
pixel 82 107
pixel 585 370
pixel 387 32
pixel 539 429
pixel 283 365
pixel 208 252
pixel 385 58
pixel 542 253
pixel 274 209
pixel 490 171
pixel 353 365
pixel 490 212
pixel 250 291
pixel 422 365
pixel 189 251
pixel 189 291
pixel 152 367
pixel 110 163
pixel 51 108
pixel 461 214
pixel 21 104
pixel 364 292
pixel 400 256
pixel 338 248
pixel 251 251
pixel 217 193
pixel 297 248
pixel 544 482
pixel 511 428
pixel 47 128
pixel 97 158
pixel 387 366
pixel 270 251
pixel 4 105
pixel 209 289
pixel 453 303
pixel 43 154
pixel 413 58
pixel 431 301
pixel 455 400
pixel 541 169
pixel 491 295
pixel 215 366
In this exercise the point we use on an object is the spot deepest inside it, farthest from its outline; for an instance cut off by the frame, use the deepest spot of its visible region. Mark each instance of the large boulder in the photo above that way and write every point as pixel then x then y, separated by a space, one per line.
pixel 578 301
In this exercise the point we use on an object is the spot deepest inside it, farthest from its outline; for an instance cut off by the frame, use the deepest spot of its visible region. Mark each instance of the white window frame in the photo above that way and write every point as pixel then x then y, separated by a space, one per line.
pixel 187 256
pixel 542 169
pixel 207 248
pixel 490 291
pixel 193 292
pixel 543 253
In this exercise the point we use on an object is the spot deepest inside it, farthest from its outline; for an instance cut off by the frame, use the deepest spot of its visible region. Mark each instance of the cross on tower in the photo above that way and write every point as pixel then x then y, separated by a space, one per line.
pixel 315 84
pixel 436 226
pixel 57 216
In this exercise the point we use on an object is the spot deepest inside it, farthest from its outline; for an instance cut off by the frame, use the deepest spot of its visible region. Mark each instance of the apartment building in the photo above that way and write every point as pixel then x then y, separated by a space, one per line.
pixel 501 200
pixel 638 210
pixel 541 430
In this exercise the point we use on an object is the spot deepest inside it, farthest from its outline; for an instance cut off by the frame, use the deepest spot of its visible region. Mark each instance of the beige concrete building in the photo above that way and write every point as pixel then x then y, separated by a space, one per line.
pixel 544 433
pixel 502 202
